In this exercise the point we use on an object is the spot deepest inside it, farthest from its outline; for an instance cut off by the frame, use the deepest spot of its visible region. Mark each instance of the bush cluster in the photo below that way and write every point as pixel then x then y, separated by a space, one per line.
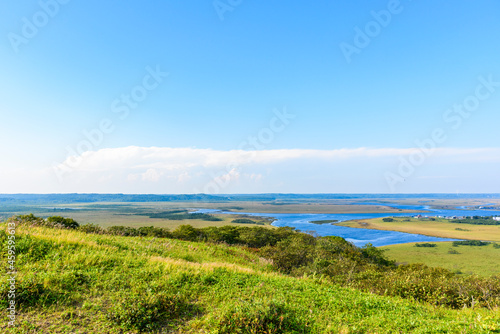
pixel 246 221
pixel 54 221
pixel 181 215
pixel 254 237
pixel 477 220
pixel 270 317
pixel 470 243
pixel 425 244
pixel 436 286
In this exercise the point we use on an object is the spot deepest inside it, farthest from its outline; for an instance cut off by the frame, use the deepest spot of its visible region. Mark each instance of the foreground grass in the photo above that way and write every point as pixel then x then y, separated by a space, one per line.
pixel 74 282
pixel 480 260
pixel 438 228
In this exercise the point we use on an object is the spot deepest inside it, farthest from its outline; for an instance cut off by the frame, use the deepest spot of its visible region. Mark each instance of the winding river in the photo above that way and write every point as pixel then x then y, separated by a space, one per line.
pixel 361 236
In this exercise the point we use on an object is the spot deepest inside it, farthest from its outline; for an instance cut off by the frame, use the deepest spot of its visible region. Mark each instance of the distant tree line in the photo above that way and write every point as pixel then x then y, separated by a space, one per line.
pixel 477 220
pixel 470 243
pixel 425 244
pixel 246 221
pixel 180 215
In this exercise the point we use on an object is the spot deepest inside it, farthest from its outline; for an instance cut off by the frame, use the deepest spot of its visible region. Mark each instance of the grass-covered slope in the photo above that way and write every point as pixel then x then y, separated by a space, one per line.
pixel 72 282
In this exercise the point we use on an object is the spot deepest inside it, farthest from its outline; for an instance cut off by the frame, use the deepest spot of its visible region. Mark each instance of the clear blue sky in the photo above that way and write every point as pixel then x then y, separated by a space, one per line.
pixel 225 78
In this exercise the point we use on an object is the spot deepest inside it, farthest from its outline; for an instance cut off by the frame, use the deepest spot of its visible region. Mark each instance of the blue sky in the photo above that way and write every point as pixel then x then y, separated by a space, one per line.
pixel 234 67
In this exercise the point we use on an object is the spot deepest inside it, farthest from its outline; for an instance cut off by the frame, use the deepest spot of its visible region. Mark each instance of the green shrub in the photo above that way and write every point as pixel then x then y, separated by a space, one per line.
pixel 470 243
pixel 124 231
pixel 294 252
pixel 257 236
pixel 325 221
pixel 436 286
pixel 181 215
pixel 375 255
pixel 92 229
pixel 187 232
pixel 332 256
pixel 226 234
pixel 245 221
pixel 54 221
pixel 477 220
pixel 157 232
pixel 388 219
pixel 64 222
pixel 30 218
pixel 264 317
pixel 425 244
pixel 148 311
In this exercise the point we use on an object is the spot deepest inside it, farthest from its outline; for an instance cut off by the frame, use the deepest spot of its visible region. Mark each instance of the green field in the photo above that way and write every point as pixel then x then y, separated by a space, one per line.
pixel 437 228
pixel 481 260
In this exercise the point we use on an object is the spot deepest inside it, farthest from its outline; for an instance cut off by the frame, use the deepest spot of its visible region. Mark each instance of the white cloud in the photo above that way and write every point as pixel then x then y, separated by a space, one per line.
pixel 186 170
pixel 151 175
pixel 178 160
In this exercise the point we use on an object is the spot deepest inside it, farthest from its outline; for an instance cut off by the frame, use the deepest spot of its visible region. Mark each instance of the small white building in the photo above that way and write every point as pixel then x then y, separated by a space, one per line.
pixel 496 218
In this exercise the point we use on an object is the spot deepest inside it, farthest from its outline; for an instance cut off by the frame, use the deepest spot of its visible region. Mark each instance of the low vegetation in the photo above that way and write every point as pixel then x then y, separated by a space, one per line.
pixel 180 215
pixel 425 244
pixel 470 243
pixel 232 279
pixel 246 221
pixel 477 220
pixel 321 222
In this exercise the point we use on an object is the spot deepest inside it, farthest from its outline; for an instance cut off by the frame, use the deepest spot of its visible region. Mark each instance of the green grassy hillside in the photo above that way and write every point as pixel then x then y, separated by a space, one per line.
pixel 69 281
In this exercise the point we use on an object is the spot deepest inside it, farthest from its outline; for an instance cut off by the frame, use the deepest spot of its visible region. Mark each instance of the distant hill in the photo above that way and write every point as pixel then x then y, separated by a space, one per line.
pixel 95 198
